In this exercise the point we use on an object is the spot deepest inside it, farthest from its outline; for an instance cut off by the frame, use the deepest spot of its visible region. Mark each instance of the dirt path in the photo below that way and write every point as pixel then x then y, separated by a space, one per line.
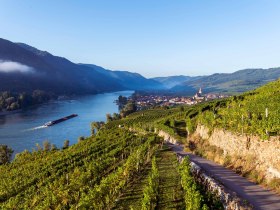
pixel 259 197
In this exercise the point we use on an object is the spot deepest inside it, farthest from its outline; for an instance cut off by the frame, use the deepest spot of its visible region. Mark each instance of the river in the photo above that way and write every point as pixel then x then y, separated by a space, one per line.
pixel 22 130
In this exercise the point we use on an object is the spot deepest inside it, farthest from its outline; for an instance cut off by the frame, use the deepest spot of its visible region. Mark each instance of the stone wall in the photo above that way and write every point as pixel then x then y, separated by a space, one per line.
pixel 265 153
pixel 229 199
pixel 167 137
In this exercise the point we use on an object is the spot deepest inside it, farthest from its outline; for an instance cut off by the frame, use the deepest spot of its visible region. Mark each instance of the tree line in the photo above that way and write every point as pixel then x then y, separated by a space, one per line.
pixel 13 101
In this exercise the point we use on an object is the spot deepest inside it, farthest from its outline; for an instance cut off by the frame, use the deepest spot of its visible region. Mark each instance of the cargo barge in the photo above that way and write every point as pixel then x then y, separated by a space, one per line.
pixel 60 120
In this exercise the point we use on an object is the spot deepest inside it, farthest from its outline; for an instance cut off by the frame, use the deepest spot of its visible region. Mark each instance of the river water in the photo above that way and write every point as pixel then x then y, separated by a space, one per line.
pixel 24 129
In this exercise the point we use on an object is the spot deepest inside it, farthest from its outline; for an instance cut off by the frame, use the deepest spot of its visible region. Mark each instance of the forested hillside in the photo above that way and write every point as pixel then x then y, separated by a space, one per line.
pixel 236 82
pixel 30 76
pixel 24 69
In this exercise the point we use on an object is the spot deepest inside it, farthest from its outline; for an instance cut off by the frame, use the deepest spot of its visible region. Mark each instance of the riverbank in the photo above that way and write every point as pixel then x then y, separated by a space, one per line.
pixel 21 130
pixel 3 113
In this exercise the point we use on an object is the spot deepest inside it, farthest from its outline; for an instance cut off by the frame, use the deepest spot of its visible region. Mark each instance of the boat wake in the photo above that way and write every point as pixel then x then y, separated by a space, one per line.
pixel 37 128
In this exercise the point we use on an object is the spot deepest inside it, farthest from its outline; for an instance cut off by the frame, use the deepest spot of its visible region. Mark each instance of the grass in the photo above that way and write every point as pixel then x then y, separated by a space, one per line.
pixel 132 195
pixel 170 190
pixel 180 129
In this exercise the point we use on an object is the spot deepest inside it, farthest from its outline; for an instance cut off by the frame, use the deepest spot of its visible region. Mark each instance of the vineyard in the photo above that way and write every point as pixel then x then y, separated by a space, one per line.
pixel 76 176
pixel 166 184
pixel 256 112
pixel 126 165
pixel 95 174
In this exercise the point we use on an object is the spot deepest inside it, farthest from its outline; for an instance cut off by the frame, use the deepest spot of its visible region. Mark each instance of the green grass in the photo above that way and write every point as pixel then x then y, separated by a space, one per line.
pixel 170 189
pixel 132 195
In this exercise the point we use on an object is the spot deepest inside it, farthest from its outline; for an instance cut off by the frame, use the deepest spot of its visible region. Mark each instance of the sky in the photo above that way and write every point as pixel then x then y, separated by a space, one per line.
pixel 153 38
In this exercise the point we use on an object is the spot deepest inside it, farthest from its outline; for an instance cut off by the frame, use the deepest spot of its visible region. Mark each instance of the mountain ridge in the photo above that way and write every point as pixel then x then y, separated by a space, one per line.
pixel 59 75
pixel 236 82
pixel 44 71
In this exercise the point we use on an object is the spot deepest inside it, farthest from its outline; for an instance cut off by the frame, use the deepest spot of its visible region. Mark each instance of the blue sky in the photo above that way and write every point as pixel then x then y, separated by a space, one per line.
pixel 154 38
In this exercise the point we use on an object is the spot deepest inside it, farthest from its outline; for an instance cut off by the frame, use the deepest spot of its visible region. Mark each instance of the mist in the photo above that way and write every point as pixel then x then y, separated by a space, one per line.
pixel 11 67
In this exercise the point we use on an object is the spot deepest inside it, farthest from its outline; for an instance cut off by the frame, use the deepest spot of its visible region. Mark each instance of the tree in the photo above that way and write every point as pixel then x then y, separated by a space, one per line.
pixel 46 145
pixel 14 106
pixel 81 138
pixel 108 117
pixel 66 144
pixel 96 126
pixel 40 96
pixel 129 108
pixel 24 100
pixel 122 101
pixel 116 116
pixel 39 148
pixel 53 147
pixel 5 154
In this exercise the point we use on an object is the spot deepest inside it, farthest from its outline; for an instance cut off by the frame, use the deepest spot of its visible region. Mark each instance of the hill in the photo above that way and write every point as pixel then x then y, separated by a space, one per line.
pixel 129 80
pixel 103 172
pixel 173 81
pixel 237 82
pixel 120 163
pixel 25 68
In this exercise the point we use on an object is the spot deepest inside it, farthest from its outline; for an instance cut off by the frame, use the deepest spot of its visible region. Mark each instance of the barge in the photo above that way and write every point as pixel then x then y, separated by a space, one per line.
pixel 60 120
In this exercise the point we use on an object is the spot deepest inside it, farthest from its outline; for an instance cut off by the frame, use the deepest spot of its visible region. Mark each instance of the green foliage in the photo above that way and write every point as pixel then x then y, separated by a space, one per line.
pixel 46 145
pixel 190 126
pixel 150 192
pixel 247 113
pixel 108 117
pixel 129 108
pixel 103 195
pixel 5 154
pixel 193 197
pixel 53 147
pixel 65 144
pixel 81 138
pixel 122 101
pixel 13 101
pixel 58 179
pixel 95 126
pixel 91 174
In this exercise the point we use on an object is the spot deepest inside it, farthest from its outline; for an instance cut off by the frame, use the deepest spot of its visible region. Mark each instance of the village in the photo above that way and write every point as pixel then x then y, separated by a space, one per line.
pixel 144 101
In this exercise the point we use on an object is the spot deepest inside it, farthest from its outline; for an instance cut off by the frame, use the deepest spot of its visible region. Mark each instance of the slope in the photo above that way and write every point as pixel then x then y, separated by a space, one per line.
pixel 129 80
pixel 172 81
pixel 24 68
pixel 237 82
